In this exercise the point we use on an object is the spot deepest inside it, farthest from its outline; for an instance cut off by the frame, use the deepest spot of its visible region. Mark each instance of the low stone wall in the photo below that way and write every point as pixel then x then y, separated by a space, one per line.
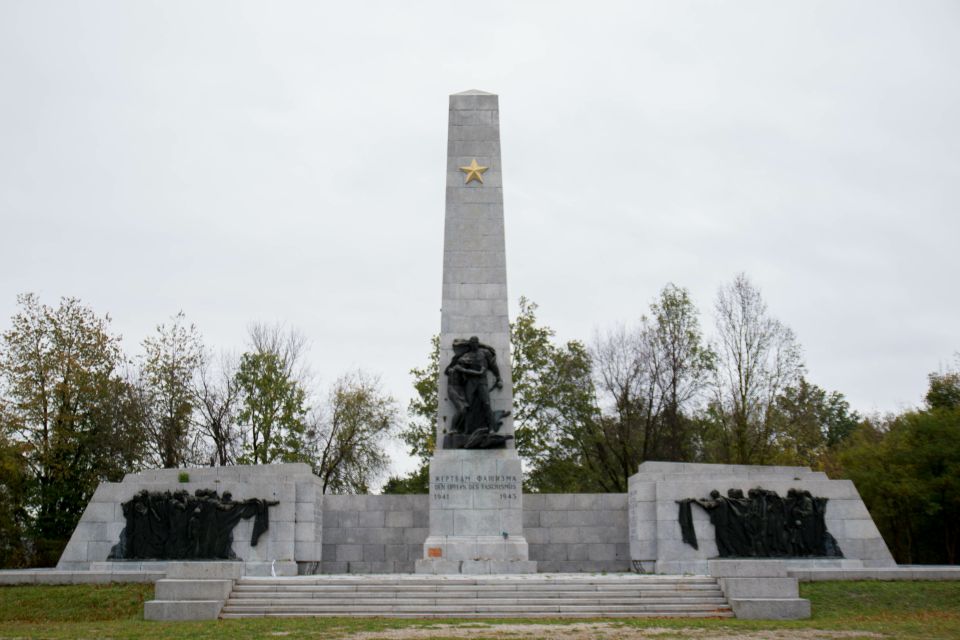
pixel 385 534
pixel 582 532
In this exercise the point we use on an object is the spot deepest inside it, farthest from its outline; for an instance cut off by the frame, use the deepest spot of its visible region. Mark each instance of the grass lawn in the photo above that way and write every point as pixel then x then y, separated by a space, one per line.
pixel 840 610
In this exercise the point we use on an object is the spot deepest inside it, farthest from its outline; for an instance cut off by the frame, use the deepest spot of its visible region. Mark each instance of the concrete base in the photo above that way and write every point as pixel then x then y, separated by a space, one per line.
pixel 476 514
pixel 193 590
pixel 770 608
pixel 475 567
pixel 182 609
pixel 168 589
pixel 760 587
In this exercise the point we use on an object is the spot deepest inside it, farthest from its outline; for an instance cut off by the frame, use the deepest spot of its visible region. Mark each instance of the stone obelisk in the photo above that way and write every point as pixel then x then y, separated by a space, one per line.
pixel 476 510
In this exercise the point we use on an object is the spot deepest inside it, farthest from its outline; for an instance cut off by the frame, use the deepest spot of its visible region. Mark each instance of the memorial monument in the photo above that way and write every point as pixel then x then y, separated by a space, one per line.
pixel 678 517
pixel 476 510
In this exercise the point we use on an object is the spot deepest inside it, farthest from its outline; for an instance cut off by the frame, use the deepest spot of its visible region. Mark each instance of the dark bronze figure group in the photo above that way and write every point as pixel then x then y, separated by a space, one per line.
pixel 177 526
pixel 764 525
pixel 475 424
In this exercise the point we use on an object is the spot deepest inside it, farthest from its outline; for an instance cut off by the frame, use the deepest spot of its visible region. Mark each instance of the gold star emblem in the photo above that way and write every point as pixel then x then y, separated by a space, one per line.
pixel 474 172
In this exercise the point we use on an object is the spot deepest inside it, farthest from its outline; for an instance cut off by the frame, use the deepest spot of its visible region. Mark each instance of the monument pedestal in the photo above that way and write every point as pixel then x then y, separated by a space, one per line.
pixel 476 514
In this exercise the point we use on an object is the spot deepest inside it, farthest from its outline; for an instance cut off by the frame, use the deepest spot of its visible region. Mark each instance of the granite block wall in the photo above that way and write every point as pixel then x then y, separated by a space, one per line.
pixel 373 534
pixel 385 534
pixel 578 532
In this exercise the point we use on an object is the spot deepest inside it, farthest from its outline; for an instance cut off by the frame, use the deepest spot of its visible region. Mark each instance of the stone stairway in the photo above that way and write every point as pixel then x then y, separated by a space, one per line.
pixel 505 596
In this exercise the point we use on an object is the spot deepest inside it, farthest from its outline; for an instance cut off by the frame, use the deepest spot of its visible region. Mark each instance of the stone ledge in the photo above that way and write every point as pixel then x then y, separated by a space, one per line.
pixel 46 576
pixel 938 572
pixel 747 568
pixel 224 570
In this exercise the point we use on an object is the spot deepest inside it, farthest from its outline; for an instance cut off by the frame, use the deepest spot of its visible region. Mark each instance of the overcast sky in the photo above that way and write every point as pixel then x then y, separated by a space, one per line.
pixel 285 161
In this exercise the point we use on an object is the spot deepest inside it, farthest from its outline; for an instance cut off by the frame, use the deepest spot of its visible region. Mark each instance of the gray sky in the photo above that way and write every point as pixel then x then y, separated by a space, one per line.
pixel 285 161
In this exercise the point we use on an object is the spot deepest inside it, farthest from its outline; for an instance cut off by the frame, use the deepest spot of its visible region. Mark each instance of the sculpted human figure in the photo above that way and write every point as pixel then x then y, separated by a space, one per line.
pixel 764 525
pixel 170 526
pixel 720 513
pixel 467 386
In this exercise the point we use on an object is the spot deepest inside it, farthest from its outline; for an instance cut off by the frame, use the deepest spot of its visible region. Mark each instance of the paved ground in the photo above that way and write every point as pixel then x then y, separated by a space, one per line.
pixel 602 631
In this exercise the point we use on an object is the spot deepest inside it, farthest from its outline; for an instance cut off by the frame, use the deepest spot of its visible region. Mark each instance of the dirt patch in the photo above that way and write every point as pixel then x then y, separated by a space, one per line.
pixel 598 630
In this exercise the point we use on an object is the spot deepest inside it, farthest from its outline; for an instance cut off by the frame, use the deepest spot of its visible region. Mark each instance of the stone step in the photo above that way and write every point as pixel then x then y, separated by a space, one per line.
pixel 509 595
pixel 264 602
pixel 487 593
pixel 483 596
pixel 331 588
pixel 413 580
pixel 458 609
pixel 719 613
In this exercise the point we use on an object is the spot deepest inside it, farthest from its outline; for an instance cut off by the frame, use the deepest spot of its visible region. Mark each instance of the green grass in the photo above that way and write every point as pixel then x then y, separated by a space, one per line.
pixel 893 609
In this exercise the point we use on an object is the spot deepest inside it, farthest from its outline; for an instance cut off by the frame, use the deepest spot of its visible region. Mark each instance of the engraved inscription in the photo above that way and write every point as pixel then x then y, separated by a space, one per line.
pixel 506 487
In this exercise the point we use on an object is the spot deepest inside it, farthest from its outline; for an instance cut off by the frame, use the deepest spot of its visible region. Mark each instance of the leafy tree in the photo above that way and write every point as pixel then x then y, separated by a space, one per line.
pixel 680 364
pixel 757 359
pixel 350 452
pixel 907 469
pixel 417 482
pixel 171 360
pixel 75 420
pixel 420 431
pixel 810 423
pixel 272 410
pixel 14 517
pixel 944 391
pixel 552 389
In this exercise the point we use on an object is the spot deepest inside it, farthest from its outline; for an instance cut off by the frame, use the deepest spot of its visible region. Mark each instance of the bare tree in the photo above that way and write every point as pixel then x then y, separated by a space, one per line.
pixel 647 377
pixel 627 392
pixel 216 394
pixel 289 345
pixel 758 358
